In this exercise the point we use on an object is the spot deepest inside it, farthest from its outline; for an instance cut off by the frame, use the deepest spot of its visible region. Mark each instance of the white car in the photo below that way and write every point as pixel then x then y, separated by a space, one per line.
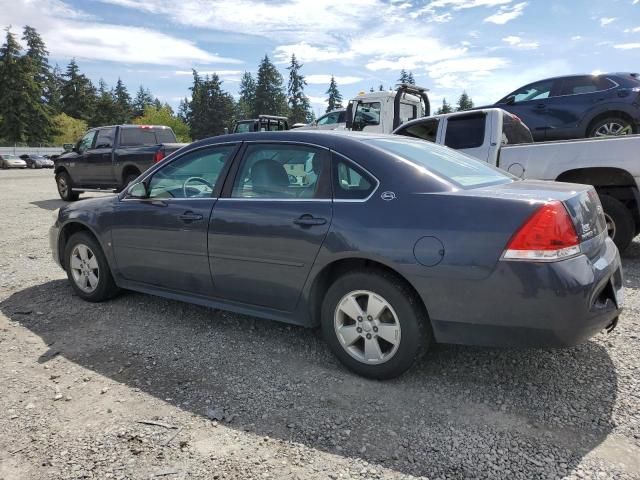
pixel 11 161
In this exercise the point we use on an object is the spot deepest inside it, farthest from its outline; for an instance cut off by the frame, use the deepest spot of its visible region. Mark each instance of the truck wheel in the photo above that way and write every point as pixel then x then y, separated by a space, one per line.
pixel 611 127
pixel 63 182
pixel 620 224
pixel 374 324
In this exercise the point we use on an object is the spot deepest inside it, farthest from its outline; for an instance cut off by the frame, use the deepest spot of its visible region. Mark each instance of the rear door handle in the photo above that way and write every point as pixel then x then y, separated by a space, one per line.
pixel 189 217
pixel 309 221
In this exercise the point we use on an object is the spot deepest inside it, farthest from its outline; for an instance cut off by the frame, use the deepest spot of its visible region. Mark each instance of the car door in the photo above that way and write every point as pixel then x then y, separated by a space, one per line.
pixel 268 227
pixel 161 239
pixel 531 104
pixel 98 162
pixel 79 167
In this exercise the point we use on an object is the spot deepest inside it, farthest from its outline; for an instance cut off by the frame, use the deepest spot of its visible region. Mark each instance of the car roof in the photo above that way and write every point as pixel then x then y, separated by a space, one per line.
pixel 574 75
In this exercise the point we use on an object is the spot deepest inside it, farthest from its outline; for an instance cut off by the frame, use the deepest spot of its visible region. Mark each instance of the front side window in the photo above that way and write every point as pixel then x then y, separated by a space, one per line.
pixel 536 91
pixel 86 142
pixel 280 171
pixel 455 167
pixel 105 138
pixel 193 175
pixel 350 181
pixel 367 114
pixel 427 130
pixel 465 131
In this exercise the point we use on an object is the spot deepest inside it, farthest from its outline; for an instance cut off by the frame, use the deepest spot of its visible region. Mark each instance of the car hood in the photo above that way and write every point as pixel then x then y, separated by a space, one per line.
pixel 89 206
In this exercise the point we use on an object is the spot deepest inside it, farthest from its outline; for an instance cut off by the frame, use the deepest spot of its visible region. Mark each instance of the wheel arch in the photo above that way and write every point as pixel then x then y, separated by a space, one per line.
pixel 333 270
pixel 129 170
pixel 69 229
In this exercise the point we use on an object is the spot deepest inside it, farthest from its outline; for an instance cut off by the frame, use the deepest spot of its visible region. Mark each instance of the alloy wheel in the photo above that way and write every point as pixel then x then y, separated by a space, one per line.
pixel 613 129
pixel 611 225
pixel 84 268
pixel 62 186
pixel 367 327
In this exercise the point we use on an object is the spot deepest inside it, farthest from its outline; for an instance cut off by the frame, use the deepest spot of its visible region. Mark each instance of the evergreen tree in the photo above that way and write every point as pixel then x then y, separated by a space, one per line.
pixel 464 102
pixel 77 95
pixel 247 103
pixel 371 90
pixel 38 114
pixel 211 108
pixel 143 100
pixel 381 88
pixel 123 103
pixel 410 79
pixel 184 110
pixel 270 96
pixel 105 112
pixel 157 103
pixel 335 99
pixel 446 107
pixel 299 104
pixel 13 96
pixel 54 89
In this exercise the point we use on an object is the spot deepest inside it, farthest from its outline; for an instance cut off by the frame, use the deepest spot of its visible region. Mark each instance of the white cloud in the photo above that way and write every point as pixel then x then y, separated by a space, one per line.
pixel 325 79
pixel 604 21
pixel 627 46
pixel 632 30
pixel 310 53
pixel 220 73
pixel 315 100
pixel 507 13
pixel 517 42
pixel 70 32
pixel 576 37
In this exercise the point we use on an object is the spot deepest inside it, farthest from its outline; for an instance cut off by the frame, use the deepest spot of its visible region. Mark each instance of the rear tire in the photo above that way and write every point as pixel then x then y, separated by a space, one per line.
pixel 620 222
pixel 387 305
pixel 611 127
pixel 64 185
pixel 87 269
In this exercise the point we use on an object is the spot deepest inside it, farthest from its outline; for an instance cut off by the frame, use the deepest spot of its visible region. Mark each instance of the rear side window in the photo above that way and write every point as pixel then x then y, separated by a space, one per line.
pixel 584 84
pixel 455 167
pixel 466 131
pixel 514 131
pixel 350 181
pixel 427 130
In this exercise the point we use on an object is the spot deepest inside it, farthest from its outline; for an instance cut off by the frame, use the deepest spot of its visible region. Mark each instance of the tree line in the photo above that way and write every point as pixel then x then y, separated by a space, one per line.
pixel 41 104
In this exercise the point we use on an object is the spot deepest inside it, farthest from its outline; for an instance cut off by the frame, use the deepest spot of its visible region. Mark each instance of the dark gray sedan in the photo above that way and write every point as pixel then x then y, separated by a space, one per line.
pixel 388 243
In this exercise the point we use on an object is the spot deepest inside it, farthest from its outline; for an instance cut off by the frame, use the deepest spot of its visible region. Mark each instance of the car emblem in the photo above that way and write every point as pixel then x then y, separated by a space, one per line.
pixel 388 196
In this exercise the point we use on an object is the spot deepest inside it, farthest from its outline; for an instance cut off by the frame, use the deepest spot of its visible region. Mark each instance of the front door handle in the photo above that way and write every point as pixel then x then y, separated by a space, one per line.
pixel 541 106
pixel 309 221
pixel 189 217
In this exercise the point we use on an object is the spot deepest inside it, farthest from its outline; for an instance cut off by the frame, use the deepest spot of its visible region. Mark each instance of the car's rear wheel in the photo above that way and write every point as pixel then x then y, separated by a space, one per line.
pixel 620 224
pixel 64 185
pixel 611 127
pixel 87 268
pixel 374 324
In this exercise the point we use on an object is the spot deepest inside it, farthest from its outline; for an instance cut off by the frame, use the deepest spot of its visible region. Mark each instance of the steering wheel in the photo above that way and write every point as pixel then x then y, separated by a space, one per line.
pixel 194 179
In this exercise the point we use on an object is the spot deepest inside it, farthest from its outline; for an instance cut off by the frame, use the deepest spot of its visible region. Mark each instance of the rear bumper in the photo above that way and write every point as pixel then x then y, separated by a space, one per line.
pixel 537 304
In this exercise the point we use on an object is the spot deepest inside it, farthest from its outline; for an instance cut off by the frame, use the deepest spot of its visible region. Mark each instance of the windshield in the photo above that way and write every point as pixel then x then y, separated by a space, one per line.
pixel 455 167
pixel 242 127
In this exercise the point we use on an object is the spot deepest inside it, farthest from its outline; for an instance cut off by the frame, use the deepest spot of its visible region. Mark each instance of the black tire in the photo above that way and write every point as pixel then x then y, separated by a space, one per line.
pixel 64 185
pixel 619 221
pixel 106 287
pixel 415 337
pixel 5 166
pixel 614 122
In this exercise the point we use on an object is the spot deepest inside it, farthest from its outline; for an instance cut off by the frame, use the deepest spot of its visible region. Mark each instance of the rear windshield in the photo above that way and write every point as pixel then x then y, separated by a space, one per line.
pixel 137 136
pixel 455 167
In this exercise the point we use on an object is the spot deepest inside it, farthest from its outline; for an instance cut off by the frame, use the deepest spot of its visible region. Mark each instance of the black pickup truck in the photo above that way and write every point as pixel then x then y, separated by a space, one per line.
pixel 109 158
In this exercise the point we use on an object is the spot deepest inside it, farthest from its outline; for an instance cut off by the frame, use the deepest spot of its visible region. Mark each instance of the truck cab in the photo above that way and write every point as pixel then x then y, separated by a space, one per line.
pixel 383 112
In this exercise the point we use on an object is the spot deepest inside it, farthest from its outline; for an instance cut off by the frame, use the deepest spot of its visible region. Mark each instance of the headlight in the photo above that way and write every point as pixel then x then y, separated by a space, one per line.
pixel 55 214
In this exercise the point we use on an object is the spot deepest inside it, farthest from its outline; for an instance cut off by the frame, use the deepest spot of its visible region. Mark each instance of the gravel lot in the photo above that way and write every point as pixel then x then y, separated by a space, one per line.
pixel 233 397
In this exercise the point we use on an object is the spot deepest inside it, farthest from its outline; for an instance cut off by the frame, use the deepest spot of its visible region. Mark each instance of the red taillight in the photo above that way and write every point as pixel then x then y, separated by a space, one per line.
pixel 548 235
pixel 159 155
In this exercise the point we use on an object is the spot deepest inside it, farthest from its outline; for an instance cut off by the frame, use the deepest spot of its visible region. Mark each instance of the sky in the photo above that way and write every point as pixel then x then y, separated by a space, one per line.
pixel 486 47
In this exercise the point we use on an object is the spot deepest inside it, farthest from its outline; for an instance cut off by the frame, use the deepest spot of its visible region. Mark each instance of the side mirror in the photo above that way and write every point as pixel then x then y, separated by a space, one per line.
pixel 510 100
pixel 68 147
pixel 137 190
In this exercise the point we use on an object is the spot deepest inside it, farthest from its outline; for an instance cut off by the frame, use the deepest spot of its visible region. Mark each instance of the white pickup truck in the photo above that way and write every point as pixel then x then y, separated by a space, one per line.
pixel 611 165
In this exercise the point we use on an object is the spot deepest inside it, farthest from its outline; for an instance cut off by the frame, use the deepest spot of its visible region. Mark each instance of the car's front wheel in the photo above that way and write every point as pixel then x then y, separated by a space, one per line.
pixel 611 127
pixel 63 183
pixel 374 324
pixel 87 268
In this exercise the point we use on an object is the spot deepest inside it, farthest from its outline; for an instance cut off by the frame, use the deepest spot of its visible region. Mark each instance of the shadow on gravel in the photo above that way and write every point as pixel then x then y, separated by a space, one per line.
pixel 54 203
pixel 460 412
